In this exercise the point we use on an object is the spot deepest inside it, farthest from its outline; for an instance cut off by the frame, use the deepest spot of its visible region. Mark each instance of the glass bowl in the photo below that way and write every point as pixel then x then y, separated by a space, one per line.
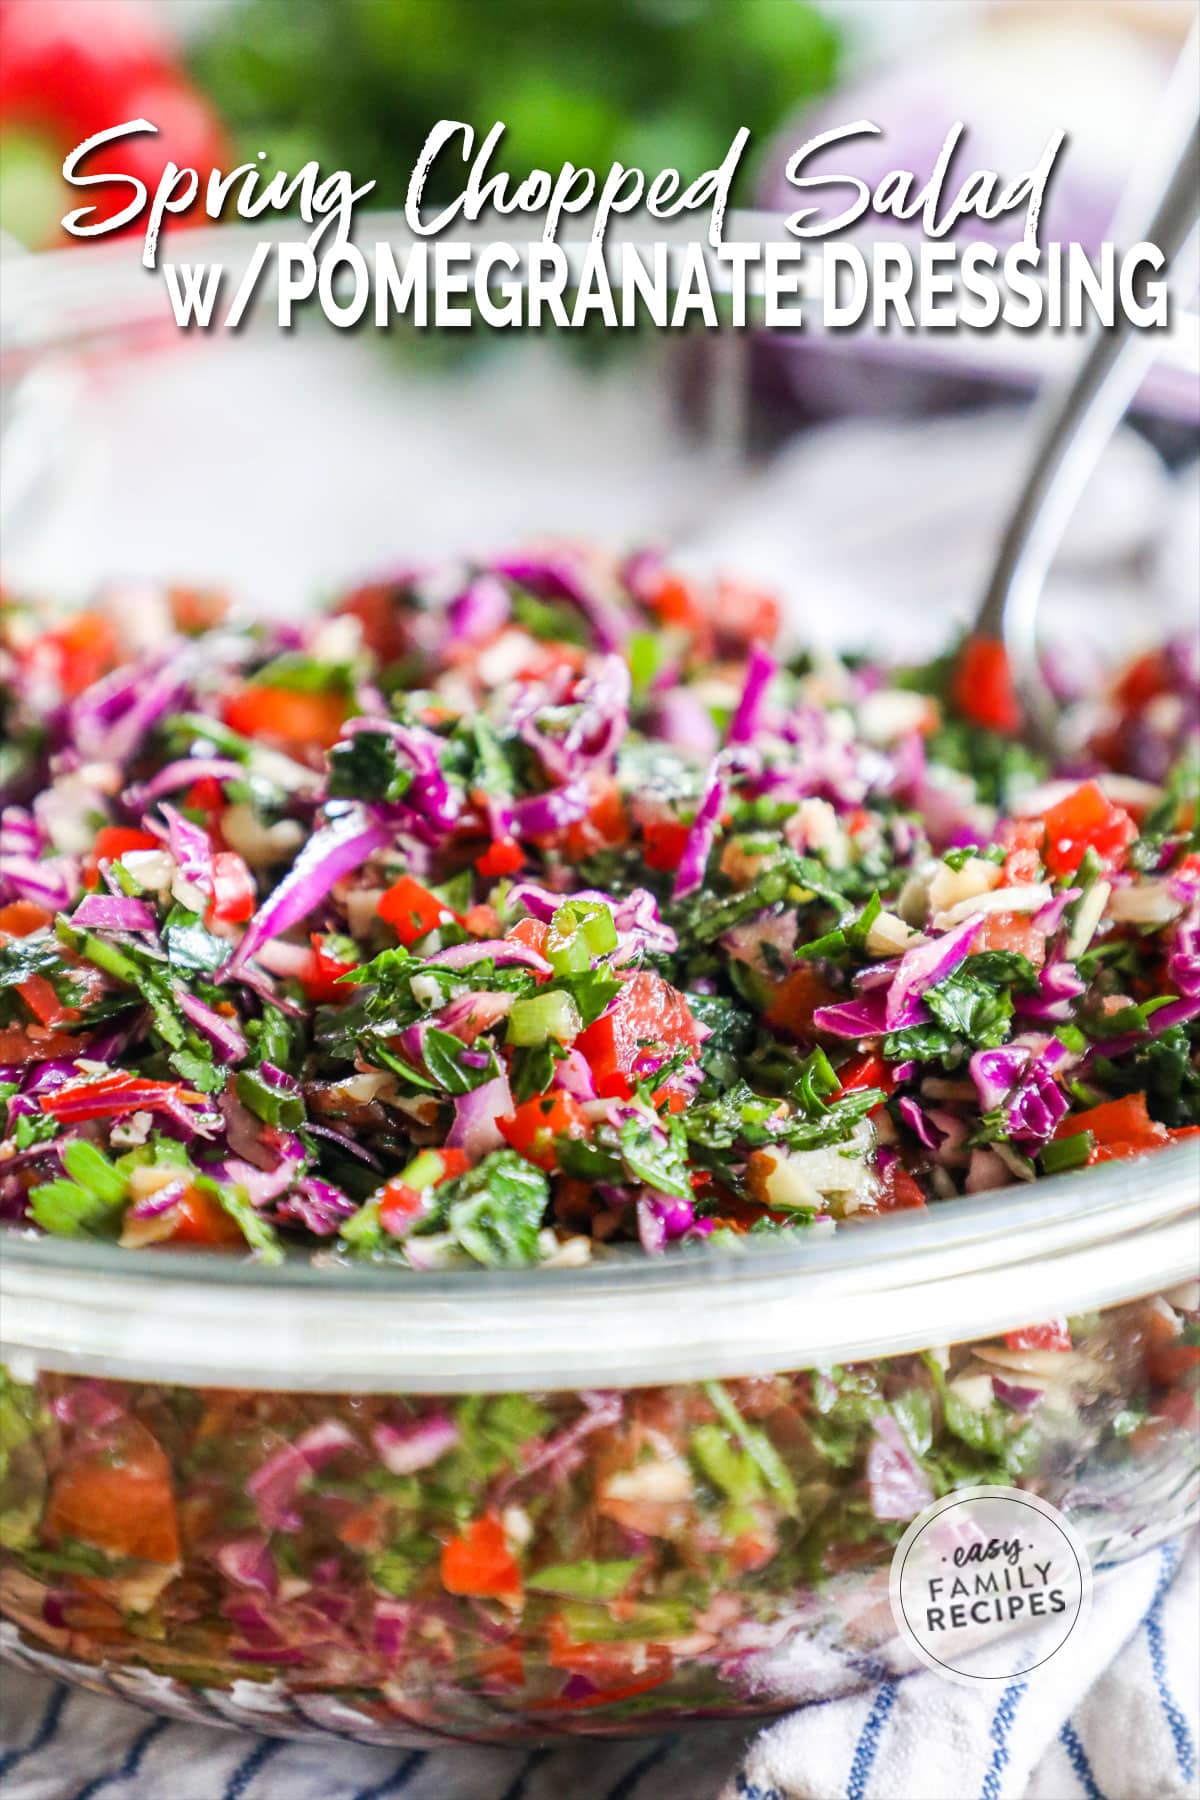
pixel 410 1508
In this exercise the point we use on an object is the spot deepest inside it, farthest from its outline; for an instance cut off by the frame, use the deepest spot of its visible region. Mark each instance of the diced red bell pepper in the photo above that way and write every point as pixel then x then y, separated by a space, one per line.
pixel 1053 1335
pixel 869 1071
pixel 320 980
pixel 663 843
pixel 234 893
pixel 411 910
pixel 112 1095
pixel 479 1563
pixel 288 715
pixel 982 687
pixel 533 1126
pixel 1086 820
pixel 504 856
pixel 39 996
pixel 83 648
pixel 199 1220
pixel 796 998
pixel 1123 1122
pixel 648 1019
pixel 114 841
pixel 400 1204
pixel 1145 678
pixel 20 918
pixel 205 796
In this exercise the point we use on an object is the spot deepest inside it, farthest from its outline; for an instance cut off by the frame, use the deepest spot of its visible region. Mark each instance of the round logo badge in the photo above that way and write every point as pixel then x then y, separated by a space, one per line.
pixel 989 1584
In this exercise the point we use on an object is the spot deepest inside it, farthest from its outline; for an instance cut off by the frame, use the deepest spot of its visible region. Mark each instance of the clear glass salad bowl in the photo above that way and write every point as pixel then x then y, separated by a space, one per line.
pixel 288 1498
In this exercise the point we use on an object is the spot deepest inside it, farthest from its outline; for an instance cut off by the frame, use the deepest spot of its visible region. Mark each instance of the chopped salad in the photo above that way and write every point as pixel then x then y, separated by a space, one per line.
pixel 507 912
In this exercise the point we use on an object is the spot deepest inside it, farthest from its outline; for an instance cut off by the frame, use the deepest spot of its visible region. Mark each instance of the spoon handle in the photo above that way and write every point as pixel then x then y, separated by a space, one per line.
pixel 1076 426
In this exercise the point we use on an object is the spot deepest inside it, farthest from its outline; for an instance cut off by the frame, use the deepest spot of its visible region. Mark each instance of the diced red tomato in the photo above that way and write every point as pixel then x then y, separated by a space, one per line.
pixel 745 614
pixel 1013 931
pixel 648 1018
pixel 20 918
pixel 113 841
pixel 795 999
pixel 548 657
pixel 479 1562
pixel 194 610
pixel 411 910
pixel 19 1046
pixel 234 893
pixel 529 932
pixel 533 1126
pixel 205 796
pixel 663 842
pixel 675 602
pixel 1053 1335
pixel 1169 1363
pixel 982 687
pixel 320 980
pixel 481 921
pixel 606 826
pixel 287 715
pixel 380 609
pixel 868 1071
pixel 504 856
pixel 118 1497
pixel 1086 820
pixel 1022 839
pixel 898 1190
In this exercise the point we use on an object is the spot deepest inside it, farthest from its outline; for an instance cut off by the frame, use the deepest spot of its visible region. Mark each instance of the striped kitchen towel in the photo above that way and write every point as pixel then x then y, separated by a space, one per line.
pixel 1119 1722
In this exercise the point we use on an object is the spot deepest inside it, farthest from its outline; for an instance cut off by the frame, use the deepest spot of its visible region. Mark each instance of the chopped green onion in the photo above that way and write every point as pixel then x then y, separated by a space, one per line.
pixel 275 1106
pixel 542 1016
pixel 1067 1153
pixel 579 931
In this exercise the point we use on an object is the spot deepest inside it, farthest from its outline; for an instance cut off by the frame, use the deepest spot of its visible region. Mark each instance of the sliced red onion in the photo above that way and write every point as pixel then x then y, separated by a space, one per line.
pixel 110 912
pixel 391 1622
pixel 222 1033
pixel 321 1443
pixel 700 839
pixel 181 774
pixel 1050 917
pixel 503 952
pixel 316 1204
pixel 555 578
pixel 652 1228
pixel 761 670
pixel 335 851
pixel 574 1076
pixel 541 814
pixel 152 1206
pixel 403 1449
pixel 684 722
pixel 52 881
pixel 899 1487
pixel 1017 1399
pixel 345 1143
pixel 1175 1012
pixel 925 966
pixel 920 1123
pixel 247 1562
pixel 20 833
pixel 479 612
pixel 854 1018
pixel 474 1130
pixel 275 1486
pixel 1183 960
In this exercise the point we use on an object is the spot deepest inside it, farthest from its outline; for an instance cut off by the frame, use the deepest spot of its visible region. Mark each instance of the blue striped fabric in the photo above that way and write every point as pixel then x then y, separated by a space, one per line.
pixel 249 1767
pixel 1181 1737
pixel 1077 1756
pixel 398 1780
pixel 629 1783
pixel 998 1732
pixel 868 1744
pixel 131 1765
pixel 44 1734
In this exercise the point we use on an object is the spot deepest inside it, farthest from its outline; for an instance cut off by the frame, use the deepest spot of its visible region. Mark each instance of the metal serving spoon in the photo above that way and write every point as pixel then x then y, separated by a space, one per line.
pixel 1076 424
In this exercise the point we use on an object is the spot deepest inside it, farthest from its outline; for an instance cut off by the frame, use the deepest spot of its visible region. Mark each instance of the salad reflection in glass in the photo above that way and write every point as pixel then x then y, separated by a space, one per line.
pixel 507 912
